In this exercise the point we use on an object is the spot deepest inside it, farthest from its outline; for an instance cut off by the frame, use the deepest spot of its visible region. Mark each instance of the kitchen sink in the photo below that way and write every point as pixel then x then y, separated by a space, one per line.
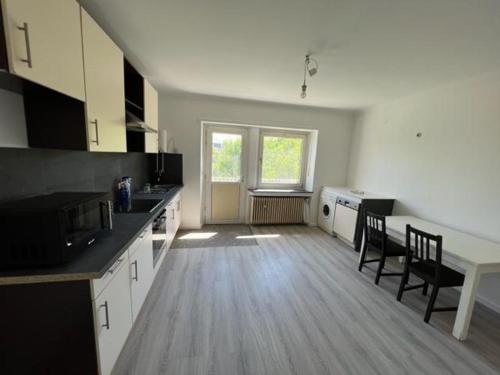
pixel 137 206
pixel 158 189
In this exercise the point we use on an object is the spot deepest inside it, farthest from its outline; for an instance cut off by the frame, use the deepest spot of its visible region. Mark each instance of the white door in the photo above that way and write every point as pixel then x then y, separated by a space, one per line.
pixel 225 166
pixel 44 43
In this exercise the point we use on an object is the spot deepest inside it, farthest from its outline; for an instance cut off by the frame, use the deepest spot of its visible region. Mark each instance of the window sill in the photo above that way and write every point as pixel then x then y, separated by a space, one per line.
pixel 280 192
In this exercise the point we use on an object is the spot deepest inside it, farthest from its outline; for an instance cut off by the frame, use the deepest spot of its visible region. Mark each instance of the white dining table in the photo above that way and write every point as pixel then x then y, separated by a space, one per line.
pixel 469 254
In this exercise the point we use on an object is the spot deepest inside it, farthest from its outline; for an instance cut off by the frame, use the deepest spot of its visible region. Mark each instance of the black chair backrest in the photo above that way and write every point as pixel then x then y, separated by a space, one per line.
pixel 419 244
pixel 375 233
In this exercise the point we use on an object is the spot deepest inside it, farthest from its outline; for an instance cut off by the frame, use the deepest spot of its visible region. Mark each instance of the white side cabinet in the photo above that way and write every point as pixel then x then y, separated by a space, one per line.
pixel 113 317
pixel 141 270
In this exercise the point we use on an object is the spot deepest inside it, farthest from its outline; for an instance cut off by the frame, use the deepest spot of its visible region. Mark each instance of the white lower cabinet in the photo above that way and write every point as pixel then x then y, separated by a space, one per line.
pixel 120 293
pixel 173 218
pixel 178 212
pixel 113 318
pixel 170 224
pixel 141 272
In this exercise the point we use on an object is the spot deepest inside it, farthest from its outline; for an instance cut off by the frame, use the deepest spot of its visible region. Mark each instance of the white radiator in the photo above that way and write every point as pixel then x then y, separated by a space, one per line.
pixel 277 210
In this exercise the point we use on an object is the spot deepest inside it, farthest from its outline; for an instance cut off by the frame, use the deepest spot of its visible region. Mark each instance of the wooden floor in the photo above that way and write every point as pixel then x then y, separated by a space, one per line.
pixel 295 304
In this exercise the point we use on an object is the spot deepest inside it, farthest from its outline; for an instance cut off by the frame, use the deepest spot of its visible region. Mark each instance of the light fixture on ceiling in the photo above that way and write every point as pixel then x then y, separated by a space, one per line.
pixel 310 66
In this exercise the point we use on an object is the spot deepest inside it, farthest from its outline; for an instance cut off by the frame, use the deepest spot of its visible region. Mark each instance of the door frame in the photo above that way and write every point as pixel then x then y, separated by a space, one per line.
pixel 208 130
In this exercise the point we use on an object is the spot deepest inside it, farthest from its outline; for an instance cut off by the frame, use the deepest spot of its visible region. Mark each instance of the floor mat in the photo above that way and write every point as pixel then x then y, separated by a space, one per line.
pixel 215 236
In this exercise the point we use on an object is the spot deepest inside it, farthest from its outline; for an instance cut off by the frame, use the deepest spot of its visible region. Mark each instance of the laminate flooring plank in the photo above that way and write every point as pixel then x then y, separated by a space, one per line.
pixel 295 304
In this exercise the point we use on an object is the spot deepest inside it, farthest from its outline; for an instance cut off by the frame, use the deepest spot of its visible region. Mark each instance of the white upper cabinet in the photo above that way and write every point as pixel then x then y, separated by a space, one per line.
pixel 44 43
pixel 151 117
pixel 104 88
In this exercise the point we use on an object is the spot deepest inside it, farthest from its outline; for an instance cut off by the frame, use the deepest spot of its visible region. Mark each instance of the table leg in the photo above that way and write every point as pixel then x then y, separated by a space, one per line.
pixel 466 305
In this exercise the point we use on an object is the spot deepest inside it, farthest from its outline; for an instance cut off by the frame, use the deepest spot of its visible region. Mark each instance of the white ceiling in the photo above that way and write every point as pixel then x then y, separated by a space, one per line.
pixel 369 51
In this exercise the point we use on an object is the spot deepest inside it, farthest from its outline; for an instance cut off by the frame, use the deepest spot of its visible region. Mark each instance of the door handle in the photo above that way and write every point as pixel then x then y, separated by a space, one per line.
pixel 106 314
pixel 112 270
pixel 96 124
pixel 136 277
pixel 27 60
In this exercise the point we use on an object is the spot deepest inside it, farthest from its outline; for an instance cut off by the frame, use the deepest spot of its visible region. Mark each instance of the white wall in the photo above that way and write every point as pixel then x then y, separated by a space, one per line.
pixel 451 174
pixel 181 115
pixel 12 121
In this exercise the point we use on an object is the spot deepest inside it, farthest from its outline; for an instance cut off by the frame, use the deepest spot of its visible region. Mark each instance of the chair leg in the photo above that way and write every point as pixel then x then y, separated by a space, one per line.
pixel 381 266
pixel 404 281
pixel 430 305
pixel 363 257
pixel 425 289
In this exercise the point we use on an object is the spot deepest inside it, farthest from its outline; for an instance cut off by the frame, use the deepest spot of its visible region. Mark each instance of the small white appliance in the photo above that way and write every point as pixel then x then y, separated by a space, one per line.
pixel 345 219
pixel 326 209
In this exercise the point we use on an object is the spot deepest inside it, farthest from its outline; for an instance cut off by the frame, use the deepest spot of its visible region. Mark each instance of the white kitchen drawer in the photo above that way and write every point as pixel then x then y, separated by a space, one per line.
pixel 148 231
pixel 99 284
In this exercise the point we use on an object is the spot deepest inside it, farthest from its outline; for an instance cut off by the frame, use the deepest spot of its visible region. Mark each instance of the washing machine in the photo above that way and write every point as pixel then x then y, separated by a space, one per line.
pixel 326 209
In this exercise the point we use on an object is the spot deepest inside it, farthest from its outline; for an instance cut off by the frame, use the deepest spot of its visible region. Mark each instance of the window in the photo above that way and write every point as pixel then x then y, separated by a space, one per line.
pixel 282 159
pixel 226 157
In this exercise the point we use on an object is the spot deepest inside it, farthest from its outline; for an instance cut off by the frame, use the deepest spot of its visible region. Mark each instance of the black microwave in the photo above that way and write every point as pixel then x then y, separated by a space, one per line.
pixel 51 229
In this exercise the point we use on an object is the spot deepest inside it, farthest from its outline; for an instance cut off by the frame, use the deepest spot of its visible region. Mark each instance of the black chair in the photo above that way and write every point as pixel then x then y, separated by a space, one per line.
pixel 420 263
pixel 376 240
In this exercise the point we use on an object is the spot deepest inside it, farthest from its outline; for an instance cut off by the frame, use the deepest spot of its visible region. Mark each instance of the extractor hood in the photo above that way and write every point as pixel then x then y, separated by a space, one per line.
pixel 135 124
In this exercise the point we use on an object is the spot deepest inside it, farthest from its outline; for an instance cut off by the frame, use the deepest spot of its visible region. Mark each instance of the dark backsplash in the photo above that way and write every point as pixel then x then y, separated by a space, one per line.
pixel 27 172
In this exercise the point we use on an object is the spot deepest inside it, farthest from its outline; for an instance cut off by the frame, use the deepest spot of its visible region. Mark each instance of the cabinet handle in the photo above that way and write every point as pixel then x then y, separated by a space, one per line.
pixel 27 60
pixel 106 312
pixel 111 270
pixel 136 277
pixel 96 124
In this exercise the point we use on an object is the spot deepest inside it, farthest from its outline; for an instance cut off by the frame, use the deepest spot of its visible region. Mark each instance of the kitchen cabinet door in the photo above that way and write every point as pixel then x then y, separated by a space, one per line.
pixel 178 212
pixel 170 224
pixel 113 318
pixel 151 117
pixel 141 273
pixel 44 43
pixel 104 88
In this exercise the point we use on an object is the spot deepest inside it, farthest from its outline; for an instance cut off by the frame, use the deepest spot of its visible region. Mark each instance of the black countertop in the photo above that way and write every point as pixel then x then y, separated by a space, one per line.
pixel 96 260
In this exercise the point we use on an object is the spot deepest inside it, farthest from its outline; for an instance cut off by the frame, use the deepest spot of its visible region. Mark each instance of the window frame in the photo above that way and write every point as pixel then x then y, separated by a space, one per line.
pixel 242 162
pixel 303 162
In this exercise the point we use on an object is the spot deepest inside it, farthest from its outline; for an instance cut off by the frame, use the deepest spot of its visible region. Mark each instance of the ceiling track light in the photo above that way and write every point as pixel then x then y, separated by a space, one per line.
pixel 310 66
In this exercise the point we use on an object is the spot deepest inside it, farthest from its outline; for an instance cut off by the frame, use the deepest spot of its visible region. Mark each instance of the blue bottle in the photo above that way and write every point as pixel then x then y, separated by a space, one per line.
pixel 124 193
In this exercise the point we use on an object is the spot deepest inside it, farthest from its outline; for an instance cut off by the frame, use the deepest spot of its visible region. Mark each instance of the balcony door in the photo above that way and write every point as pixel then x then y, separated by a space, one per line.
pixel 225 187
